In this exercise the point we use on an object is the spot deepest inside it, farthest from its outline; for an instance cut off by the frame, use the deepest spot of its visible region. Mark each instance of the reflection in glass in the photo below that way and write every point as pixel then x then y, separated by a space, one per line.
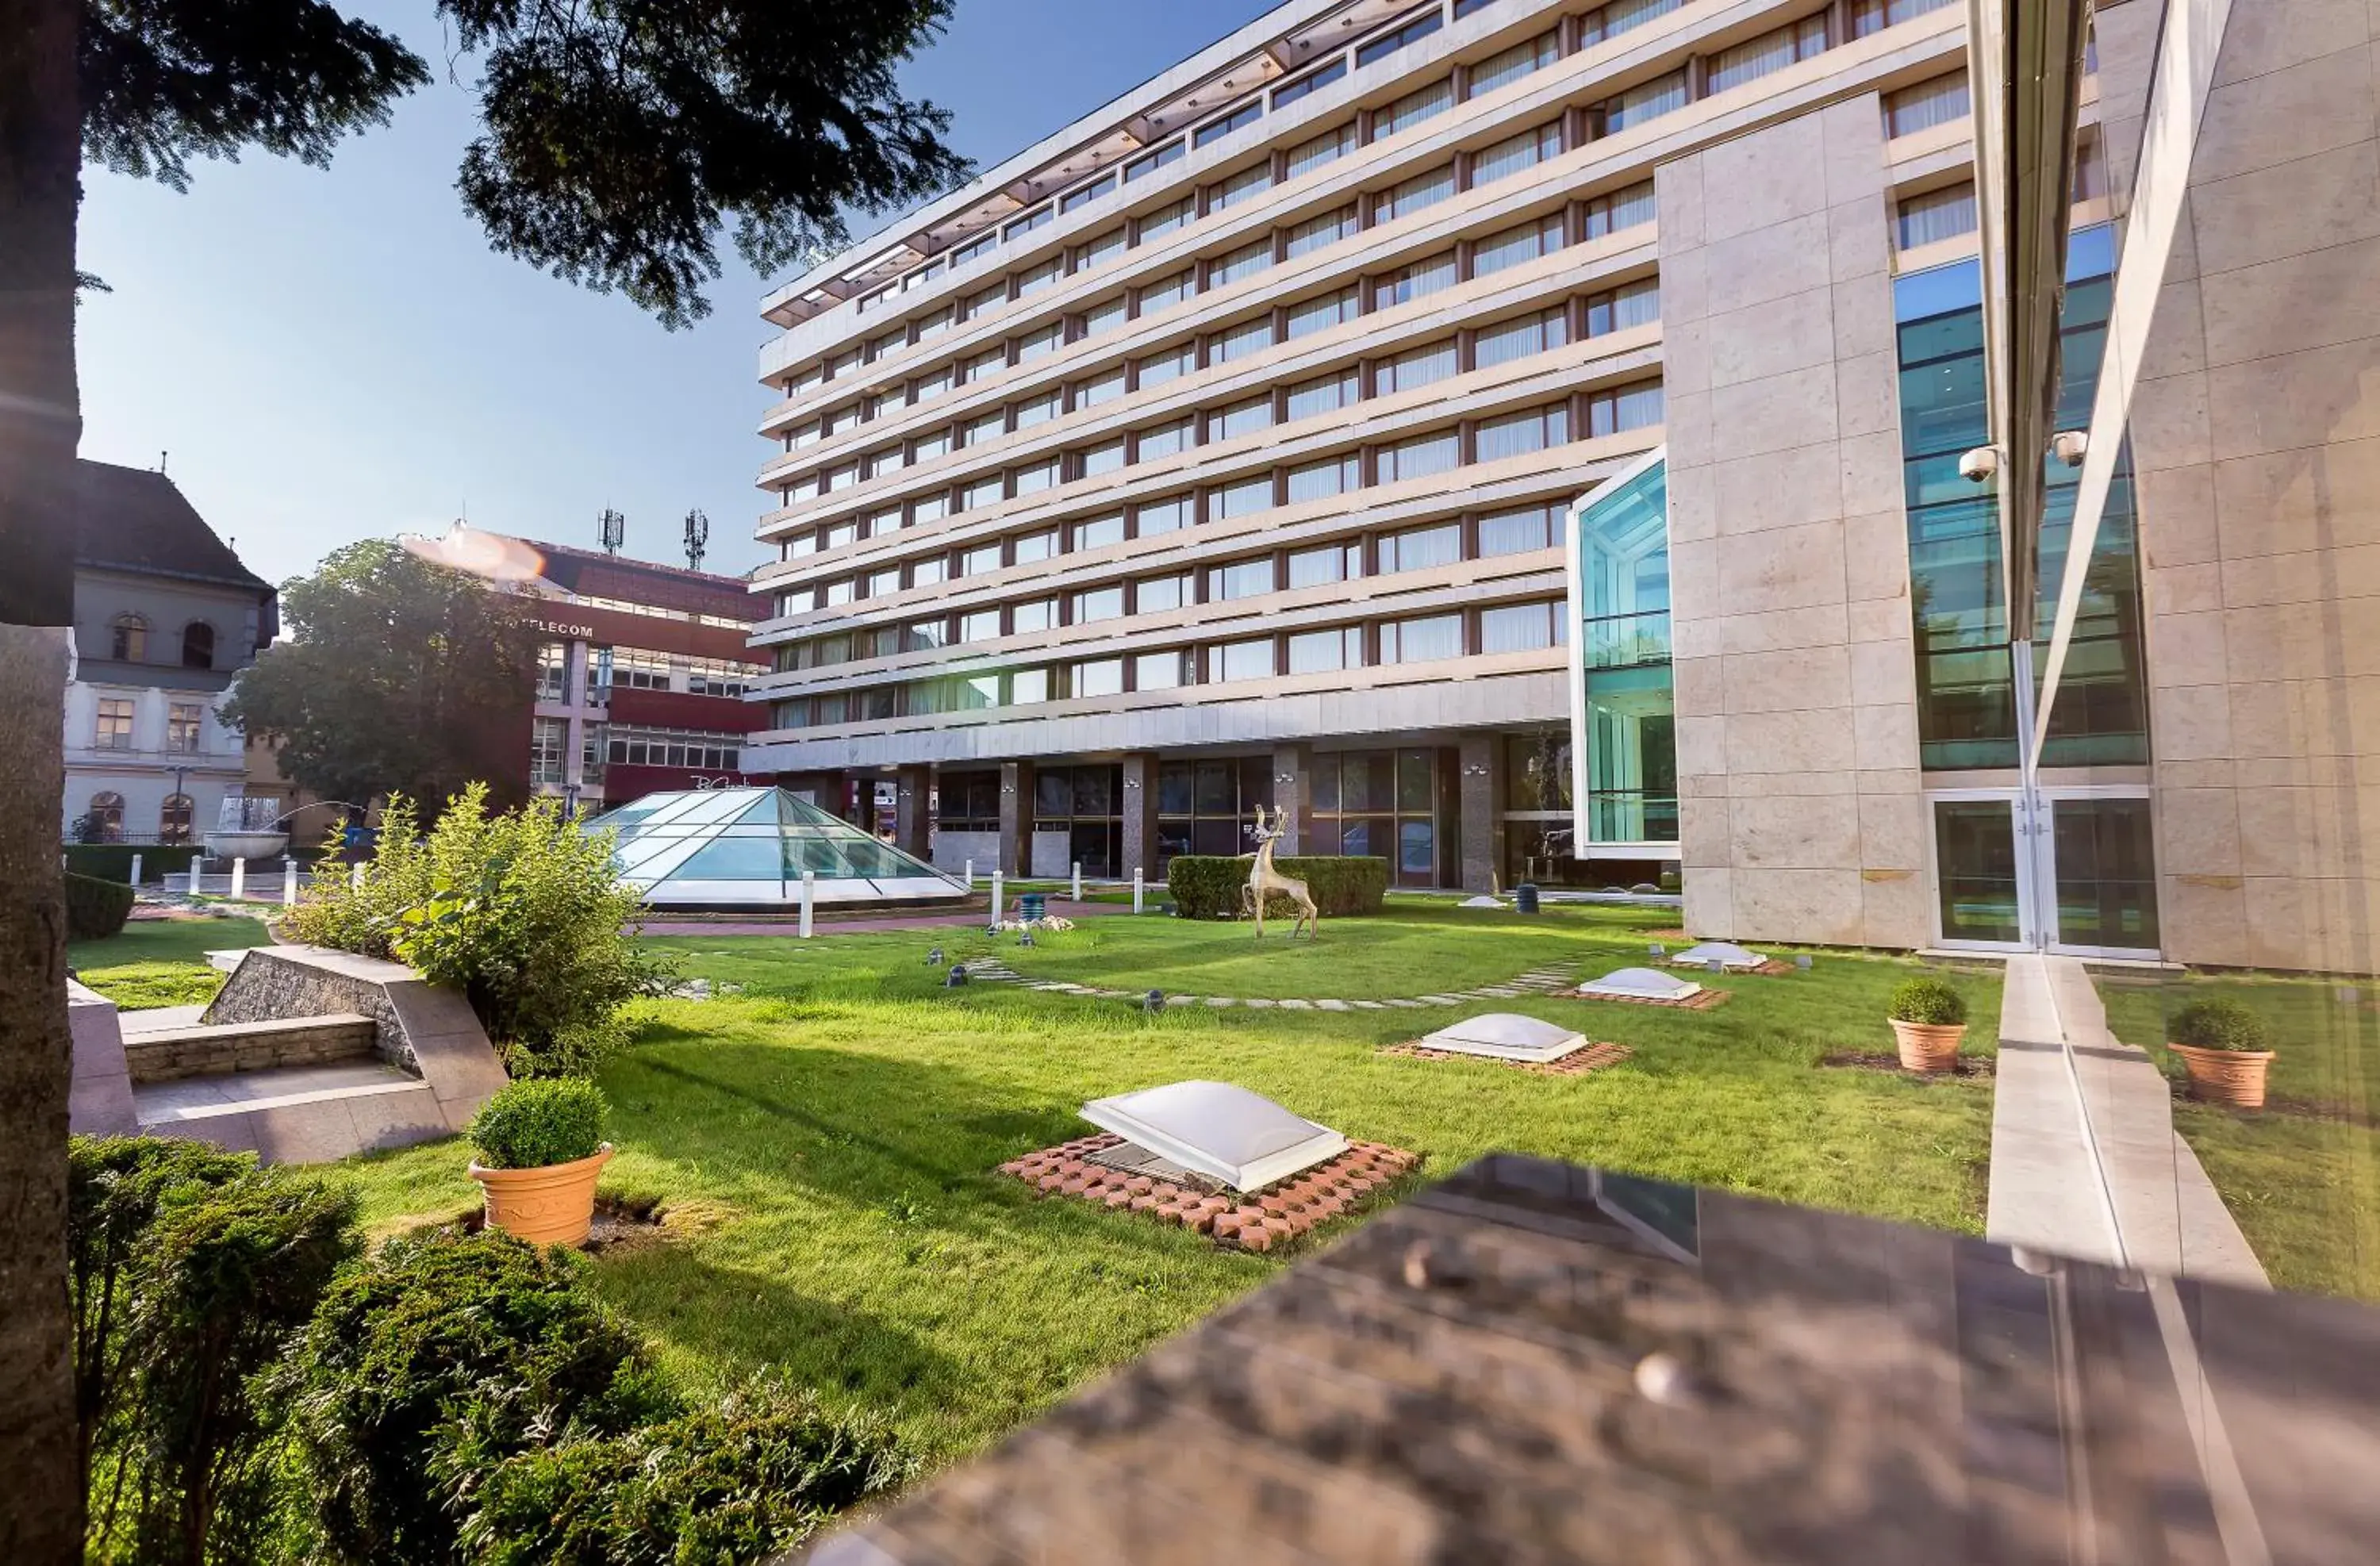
pixel 2107 874
pixel 1623 595
pixel 1976 850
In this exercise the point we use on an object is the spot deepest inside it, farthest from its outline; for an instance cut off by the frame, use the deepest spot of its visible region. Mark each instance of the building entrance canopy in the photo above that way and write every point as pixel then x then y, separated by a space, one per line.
pixel 748 847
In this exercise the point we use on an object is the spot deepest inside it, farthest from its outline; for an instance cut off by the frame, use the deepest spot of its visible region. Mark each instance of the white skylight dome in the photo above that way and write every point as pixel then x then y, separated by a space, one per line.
pixel 1212 1128
pixel 1642 984
pixel 726 848
pixel 1507 1036
pixel 1729 956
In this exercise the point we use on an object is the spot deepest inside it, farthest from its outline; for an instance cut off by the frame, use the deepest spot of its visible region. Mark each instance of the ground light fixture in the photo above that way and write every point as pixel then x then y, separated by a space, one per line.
pixel 1220 1130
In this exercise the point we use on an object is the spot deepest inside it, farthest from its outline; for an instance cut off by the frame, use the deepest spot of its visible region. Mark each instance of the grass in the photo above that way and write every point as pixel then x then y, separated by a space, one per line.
pixel 835 1127
pixel 160 962
pixel 2302 1175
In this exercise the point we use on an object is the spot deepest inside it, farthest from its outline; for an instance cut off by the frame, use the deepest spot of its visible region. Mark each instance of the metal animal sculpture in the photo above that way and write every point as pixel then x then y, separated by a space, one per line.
pixel 1264 881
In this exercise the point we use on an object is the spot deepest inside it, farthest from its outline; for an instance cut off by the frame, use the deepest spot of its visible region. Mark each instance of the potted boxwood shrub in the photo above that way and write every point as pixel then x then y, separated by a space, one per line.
pixel 2224 1047
pixel 1929 1020
pixel 539 1146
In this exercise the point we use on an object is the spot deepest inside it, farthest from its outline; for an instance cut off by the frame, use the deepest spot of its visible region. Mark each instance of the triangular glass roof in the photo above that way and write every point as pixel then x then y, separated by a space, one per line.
pixel 749 846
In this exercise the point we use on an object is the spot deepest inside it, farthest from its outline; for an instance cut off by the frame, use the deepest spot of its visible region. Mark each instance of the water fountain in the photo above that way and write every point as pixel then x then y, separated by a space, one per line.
pixel 248 829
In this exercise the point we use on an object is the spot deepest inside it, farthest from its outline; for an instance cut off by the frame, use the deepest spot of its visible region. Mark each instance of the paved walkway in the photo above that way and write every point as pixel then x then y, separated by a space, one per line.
pixel 1553 978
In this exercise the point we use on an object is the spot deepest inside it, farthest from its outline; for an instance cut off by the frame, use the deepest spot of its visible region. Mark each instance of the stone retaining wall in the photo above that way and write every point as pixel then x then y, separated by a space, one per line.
pixel 261 1046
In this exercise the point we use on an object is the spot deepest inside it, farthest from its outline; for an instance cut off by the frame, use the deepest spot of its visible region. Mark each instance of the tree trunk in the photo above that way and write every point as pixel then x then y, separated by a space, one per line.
pixel 41 422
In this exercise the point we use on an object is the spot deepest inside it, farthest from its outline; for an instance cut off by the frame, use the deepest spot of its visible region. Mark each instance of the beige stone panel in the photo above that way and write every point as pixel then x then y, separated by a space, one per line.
pixel 2284 928
pixel 1898 912
pixel 1893 831
pixel 1880 619
pixel 2190 722
pixel 2127 38
pixel 1767 178
pixel 2266 721
pixel 1696 589
pixel 1856 237
pixel 1709 903
pixel 2174 772
pixel 2168 425
pixel 1766 265
pixel 1792 408
pixel 1812 831
pixel 1796 785
pixel 2303 832
pixel 1806 743
pixel 1678 202
pixel 1853 132
pixel 2188 650
pixel 1770 340
pixel 2198 831
pixel 1787 489
pixel 1825 907
pixel 2314 300
pixel 2293 642
pixel 2177 515
pixel 1698 639
pixel 2177 342
pixel 2332 198
pixel 2333 577
pixel 1702 835
pixel 1774 630
pixel 1686 429
pixel 1866 399
pixel 1892 779
pixel 2185 590
pixel 1704 785
pixel 1693 510
pixel 1701 744
pixel 2201 923
pixel 1685 357
pixel 1884 674
pixel 2288 401
pixel 1685 281
pixel 1789 681
pixel 1875 555
pixel 2183 261
pixel 1698 686
pixel 1872 473
pixel 1863 323
pixel 2285 114
pixel 1781 567
pixel 1885 737
pixel 2280 33
pixel 2303 498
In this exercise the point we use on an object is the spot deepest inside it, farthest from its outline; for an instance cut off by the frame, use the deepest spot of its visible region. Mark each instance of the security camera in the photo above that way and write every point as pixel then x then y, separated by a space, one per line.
pixel 2067 446
pixel 1979 464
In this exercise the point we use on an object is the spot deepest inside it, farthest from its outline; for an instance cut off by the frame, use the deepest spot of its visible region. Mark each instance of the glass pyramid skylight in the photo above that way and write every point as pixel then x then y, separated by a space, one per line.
pixel 748 847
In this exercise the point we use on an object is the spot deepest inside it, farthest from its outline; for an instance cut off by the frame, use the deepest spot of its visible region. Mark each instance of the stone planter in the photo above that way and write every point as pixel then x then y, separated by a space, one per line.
pixel 1927 1046
pixel 552 1206
pixel 2226 1076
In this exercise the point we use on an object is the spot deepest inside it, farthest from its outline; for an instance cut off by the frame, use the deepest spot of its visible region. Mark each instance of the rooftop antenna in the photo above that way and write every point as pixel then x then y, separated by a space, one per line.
pixel 698 534
pixel 613 528
pixel 161 461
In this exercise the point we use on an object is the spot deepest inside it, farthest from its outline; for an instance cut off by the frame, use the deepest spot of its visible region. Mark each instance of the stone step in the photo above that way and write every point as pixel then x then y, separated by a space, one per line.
pixel 166 1054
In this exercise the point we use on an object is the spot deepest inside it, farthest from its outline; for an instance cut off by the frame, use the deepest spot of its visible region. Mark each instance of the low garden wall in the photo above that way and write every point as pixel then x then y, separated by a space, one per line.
pixel 1208 886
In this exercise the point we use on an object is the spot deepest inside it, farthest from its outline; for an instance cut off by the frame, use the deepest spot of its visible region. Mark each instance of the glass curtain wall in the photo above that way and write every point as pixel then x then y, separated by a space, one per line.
pixel 1630 716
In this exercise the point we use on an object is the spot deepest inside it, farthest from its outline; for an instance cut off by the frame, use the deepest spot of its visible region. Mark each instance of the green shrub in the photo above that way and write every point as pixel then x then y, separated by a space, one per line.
pixel 523 912
pixel 96 910
pixel 531 1124
pixel 739 1483
pixel 2218 1023
pixel 442 1338
pixel 113 861
pixel 1928 1001
pixel 1208 886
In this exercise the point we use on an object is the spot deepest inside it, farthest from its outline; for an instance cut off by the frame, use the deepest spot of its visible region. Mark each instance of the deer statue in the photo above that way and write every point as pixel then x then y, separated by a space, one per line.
pixel 1264 881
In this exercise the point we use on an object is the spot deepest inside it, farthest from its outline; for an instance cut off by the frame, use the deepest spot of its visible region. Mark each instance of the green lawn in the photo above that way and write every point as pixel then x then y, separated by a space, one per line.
pixel 2302 1175
pixel 160 962
pixel 830 1133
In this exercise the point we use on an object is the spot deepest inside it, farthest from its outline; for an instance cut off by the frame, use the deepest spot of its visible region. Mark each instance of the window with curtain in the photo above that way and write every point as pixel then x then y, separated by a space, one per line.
pixel 1619 209
pixel 1243 263
pixel 1425 639
pixel 1409 196
pixel 1512 247
pixel 127 638
pixel 1647 101
pixel 1772 51
pixel 1418 280
pixel 1422 103
pixel 1244 498
pixel 1328 147
pixel 1520 60
pixel 1519 627
pixel 1631 304
pixel 1414 368
pixel 1509 340
pixel 1324 394
pixel 1417 549
pixel 1935 216
pixel 1927 104
pixel 1418 457
pixel 1239 342
pixel 1320 315
pixel 1518 434
pixel 1319 652
pixel 1239 187
pixel 1316 232
pixel 1515 154
pixel 1518 531
pixel 1316 481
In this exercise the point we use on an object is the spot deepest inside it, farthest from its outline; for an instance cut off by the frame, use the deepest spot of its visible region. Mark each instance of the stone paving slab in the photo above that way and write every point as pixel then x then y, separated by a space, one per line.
pixel 1252 1221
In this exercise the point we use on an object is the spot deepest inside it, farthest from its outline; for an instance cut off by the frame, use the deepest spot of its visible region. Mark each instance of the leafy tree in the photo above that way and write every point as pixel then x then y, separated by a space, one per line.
pixel 399 677
pixel 620 136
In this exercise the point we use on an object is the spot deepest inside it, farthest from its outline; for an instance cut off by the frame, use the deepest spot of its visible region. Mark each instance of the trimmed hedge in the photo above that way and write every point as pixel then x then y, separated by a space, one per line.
pixel 540 1122
pixel 1208 886
pixel 113 861
pixel 96 910
pixel 1931 1002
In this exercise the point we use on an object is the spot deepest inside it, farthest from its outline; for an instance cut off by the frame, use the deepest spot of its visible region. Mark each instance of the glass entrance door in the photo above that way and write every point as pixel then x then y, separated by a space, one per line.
pixel 2075 875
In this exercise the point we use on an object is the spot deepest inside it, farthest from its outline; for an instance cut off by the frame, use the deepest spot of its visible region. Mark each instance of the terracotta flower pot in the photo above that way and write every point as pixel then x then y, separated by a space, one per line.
pixel 2226 1076
pixel 552 1206
pixel 1927 1046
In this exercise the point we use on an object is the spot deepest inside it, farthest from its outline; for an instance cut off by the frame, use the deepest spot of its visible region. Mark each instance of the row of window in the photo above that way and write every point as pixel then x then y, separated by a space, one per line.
pixel 112 724
pixel 611 667
pixel 655 611
pixel 1698 77
pixel 1327 393
pixel 637 746
pixel 1426 639
pixel 103 822
pixel 128 641
pixel 1585 416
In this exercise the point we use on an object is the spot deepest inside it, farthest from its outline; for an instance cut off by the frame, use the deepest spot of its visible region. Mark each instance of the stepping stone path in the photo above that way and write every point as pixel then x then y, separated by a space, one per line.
pixel 1251 1221
pixel 1558 979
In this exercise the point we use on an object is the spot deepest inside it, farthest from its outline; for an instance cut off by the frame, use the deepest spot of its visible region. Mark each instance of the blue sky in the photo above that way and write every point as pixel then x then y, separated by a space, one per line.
pixel 331 354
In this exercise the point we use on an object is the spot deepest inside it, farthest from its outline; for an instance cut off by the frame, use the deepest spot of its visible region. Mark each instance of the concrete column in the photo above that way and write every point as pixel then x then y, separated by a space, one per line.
pixel 1140 813
pixel 1481 763
pixel 911 812
pixel 1017 817
pixel 1292 796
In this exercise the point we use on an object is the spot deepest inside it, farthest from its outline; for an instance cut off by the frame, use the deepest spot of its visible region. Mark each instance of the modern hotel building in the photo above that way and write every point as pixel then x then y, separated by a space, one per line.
pixel 1513 437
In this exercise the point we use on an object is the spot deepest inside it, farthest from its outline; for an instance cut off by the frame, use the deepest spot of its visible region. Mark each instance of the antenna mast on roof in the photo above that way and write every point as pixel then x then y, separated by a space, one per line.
pixel 698 535
pixel 613 528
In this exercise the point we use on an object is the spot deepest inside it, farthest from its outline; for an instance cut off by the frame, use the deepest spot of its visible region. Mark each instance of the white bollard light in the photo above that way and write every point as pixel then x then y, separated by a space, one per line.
pixel 809 895
pixel 238 880
pixel 1078 881
pixel 290 883
pixel 355 875
pixel 970 876
pixel 1136 889
pixel 136 870
pixel 998 881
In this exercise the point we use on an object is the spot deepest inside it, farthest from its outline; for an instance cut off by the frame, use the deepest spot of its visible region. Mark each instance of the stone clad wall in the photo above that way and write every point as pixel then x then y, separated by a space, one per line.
pixel 1800 815
pixel 263 1046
